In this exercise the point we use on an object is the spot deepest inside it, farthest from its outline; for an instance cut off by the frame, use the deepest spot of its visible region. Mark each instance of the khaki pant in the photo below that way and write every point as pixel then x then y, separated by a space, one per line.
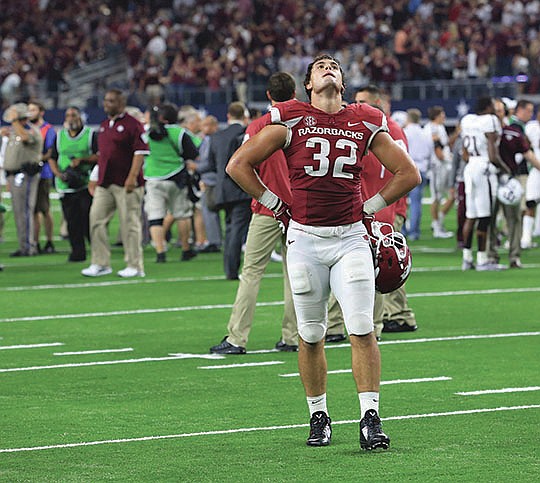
pixel 24 190
pixel 263 235
pixel 390 306
pixel 129 205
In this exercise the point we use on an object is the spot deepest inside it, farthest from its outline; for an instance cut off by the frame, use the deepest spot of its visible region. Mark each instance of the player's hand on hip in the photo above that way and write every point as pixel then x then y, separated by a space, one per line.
pixel 283 216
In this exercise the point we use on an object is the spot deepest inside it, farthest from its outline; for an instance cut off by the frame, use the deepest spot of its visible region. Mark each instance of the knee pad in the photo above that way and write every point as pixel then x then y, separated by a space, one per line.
pixel 360 324
pixel 483 223
pixel 158 222
pixel 531 204
pixel 312 332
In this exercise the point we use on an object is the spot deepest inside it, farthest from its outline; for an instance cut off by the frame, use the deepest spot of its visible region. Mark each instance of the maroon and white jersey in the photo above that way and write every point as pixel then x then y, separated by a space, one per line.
pixel 324 156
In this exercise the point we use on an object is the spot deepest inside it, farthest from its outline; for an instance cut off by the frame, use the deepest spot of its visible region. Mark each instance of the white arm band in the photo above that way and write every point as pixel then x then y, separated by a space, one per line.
pixel 374 204
pixel 270 200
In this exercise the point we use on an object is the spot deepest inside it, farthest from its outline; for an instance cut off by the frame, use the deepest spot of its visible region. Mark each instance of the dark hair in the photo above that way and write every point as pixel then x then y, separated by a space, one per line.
pixel 281 86
pixel 159 116
pixel 434 112
pixel 39 105
pixel 307 79
pixel 482 104
pixel 371 89
pixel 523 103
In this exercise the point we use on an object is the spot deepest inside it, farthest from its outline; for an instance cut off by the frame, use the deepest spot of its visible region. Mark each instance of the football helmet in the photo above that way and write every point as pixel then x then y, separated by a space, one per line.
pixel 391 255
pixel 509 191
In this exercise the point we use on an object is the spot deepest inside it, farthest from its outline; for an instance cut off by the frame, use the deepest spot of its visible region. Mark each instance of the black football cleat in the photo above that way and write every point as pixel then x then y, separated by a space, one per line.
pixel 371 433
pixel 320 432
pixel 333 338
pixel 227 348
pixel 283 347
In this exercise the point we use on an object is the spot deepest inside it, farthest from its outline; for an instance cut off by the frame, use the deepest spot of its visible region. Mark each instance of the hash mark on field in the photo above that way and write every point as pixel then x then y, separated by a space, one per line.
pixel 245 364
pixel 30 346
pixel 266 428
pixel 98 351
pixel 499 391
pixel 213 356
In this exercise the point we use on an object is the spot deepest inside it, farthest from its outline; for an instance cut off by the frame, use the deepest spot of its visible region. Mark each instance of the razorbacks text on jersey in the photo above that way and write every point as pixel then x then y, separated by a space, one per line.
pixel 324 153
pixel 474 128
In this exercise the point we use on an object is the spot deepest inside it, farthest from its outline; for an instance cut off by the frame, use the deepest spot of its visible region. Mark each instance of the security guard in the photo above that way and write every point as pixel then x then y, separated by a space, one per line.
pixel 22 165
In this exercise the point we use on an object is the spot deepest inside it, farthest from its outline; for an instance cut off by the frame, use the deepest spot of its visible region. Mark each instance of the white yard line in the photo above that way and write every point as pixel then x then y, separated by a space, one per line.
pixel 499 391
pixel 29 346
pixel 257 429
pixel 246 364
pixel 259 304
pixel 217 356
pixel 110 283
pixel 97 351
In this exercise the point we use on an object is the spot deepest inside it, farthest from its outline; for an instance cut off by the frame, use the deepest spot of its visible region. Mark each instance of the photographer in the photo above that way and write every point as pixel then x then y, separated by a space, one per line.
pixel 22 167
pixel 167 179
pixel 72 158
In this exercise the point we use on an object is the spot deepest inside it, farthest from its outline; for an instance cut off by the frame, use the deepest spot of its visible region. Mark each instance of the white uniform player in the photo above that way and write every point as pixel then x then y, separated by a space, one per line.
pixel 532 190
pixel 479 174
pixel 480 133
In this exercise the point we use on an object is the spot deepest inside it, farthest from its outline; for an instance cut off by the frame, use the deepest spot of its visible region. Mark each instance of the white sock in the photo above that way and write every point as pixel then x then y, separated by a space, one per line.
pixel 368 400
pixel 528 225
pixel 481 258
pixel 467 255
pixel 317 403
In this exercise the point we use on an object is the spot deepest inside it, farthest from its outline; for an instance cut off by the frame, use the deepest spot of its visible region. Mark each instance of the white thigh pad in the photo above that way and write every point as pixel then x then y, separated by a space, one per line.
pixel 357 268
pixel 299 278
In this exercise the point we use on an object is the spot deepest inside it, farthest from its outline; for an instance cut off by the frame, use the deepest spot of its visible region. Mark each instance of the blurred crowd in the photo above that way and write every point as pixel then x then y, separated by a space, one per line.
pixel 175 46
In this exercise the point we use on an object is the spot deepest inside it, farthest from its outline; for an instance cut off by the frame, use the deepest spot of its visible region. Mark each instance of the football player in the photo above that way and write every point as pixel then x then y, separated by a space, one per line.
pixel 481 133
pixel 328 248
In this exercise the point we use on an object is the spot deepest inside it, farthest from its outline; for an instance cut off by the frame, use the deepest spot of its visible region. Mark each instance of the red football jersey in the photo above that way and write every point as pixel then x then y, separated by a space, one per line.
pixel 374 176
pixel 324 155
pixel 273 171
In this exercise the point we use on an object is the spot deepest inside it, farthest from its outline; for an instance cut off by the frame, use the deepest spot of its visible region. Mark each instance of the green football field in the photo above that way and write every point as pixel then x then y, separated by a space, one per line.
pixel 111 380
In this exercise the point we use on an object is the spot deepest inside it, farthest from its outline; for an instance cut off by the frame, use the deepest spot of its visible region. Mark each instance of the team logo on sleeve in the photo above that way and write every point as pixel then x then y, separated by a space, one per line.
pixel 310 121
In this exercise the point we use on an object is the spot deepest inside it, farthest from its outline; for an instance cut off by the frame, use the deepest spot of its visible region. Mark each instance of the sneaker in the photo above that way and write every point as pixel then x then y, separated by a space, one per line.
pixel 489 267
pixel 371 433
pixel 393 326
pixel 276 257
pixel 442 233
pixel 161 257
pixel 331 338
pixel 320 430
pixel 49 248
pixel 188 255
pixel 467 265
pixel 225 347
pixel 210 248
pixel 526 245
pixel 96 271
pixel 129 272
pixel 19 253
pixel 516 263
pixel 282 347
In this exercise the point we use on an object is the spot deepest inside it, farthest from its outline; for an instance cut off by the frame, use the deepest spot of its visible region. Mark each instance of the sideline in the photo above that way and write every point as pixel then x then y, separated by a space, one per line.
pixel 266 428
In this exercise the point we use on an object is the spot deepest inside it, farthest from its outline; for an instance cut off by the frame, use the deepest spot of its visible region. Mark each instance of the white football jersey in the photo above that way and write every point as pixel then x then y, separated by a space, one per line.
pixel 474 128
pixel 532 131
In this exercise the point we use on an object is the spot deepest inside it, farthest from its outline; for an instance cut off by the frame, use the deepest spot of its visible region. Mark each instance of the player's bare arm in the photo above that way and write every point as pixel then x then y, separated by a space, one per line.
pixel 241 166
pixel 398 162
pixel 493 152
pixel 532 159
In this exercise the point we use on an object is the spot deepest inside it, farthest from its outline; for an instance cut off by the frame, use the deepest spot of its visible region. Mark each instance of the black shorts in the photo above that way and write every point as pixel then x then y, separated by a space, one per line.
pixel 42 202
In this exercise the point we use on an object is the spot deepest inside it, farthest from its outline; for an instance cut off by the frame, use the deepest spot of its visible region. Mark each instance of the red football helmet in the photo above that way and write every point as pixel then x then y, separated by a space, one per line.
pixel 391 255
